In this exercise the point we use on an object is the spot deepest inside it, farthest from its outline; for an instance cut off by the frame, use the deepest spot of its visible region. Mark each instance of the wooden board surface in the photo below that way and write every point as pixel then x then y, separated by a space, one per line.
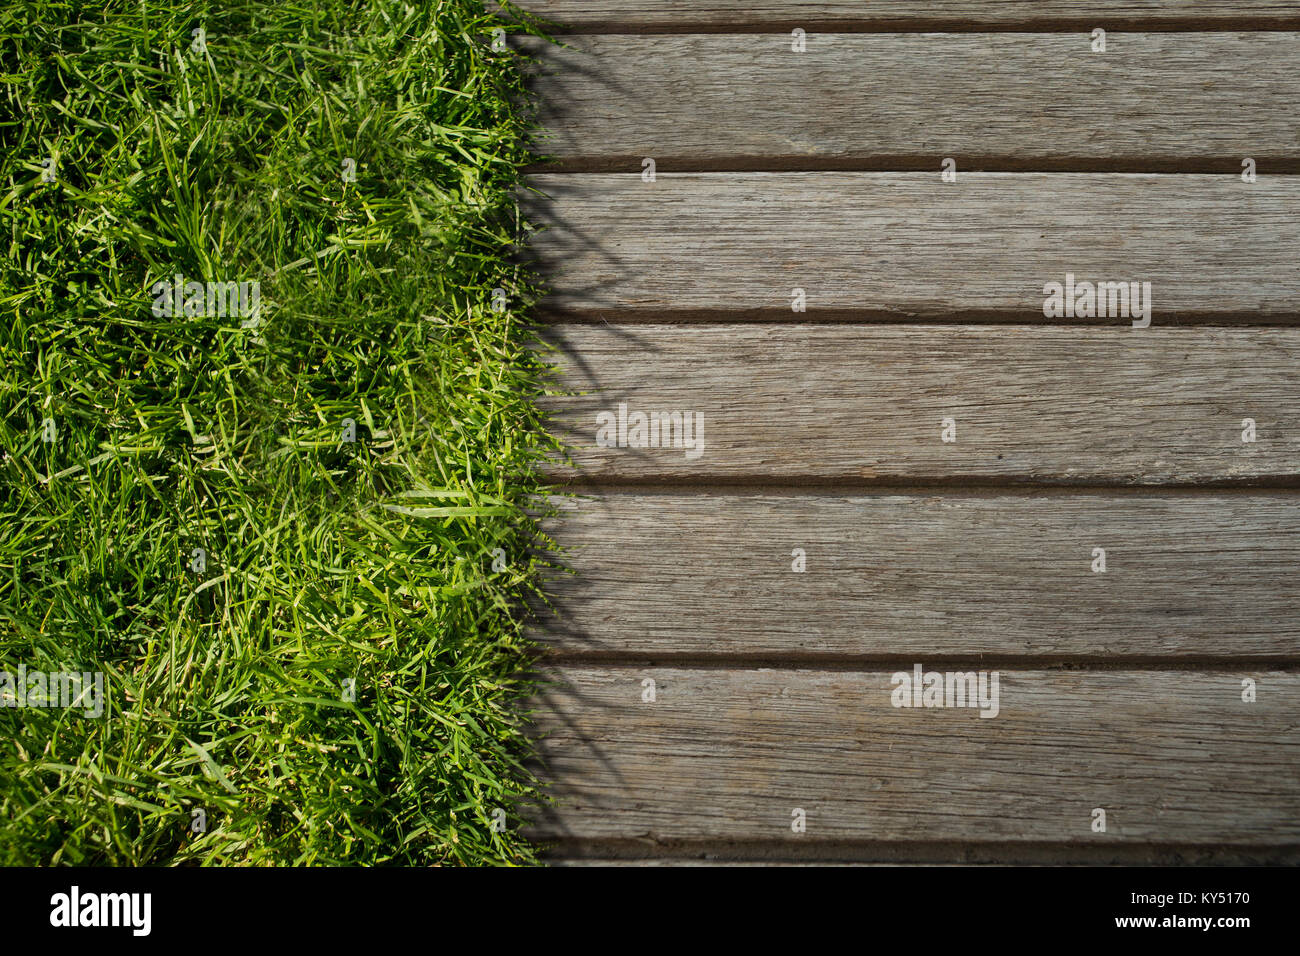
pixel 867 403
pixel 684 15
pixel 908 246
pixel 909 100
pixel 710 577
pixel 822 430
pixel 1173 757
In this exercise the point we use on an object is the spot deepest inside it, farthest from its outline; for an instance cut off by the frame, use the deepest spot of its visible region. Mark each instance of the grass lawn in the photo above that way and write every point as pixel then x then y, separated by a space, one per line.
pixel 267 432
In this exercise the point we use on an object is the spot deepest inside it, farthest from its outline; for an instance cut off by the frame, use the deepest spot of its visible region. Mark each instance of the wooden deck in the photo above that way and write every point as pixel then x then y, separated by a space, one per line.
pixel 827 430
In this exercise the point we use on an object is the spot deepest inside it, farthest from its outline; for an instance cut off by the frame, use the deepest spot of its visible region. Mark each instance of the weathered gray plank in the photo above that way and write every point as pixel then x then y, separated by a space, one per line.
pixel 1173 757
pixel 907 245
pixel 709 576
pixel 680 15
pixel 790 402
pixel 718 101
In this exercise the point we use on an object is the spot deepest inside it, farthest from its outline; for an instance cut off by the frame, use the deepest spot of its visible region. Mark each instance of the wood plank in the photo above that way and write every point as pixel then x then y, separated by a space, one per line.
pixel 1013 100
pixel 710 576
pixel 840 402
pixel 684 15
pixel 908 246
pixel 1173 757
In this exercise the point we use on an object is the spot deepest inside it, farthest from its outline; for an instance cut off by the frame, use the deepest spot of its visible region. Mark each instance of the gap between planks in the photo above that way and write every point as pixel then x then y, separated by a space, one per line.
pixel 589 487
pixel 1286 24
pixel 910 15
pixel 918 163
pixel 552 315
pixel 813 852
pixel 919 24
pixel 795 661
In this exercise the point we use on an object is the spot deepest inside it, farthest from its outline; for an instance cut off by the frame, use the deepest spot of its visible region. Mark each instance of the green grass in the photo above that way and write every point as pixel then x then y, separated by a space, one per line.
pixel 326 560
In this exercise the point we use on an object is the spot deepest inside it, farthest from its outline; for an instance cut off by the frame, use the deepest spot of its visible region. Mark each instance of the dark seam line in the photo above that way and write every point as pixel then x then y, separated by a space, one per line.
pixel 813 25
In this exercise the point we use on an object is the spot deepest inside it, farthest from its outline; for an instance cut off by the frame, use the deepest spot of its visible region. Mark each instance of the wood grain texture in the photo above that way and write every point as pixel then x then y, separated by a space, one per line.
pixel 727 754
pixel 710 576
pixel 794 402
pixel 682 15
pixel 727 102
pixel 908 246
pixel 687 578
